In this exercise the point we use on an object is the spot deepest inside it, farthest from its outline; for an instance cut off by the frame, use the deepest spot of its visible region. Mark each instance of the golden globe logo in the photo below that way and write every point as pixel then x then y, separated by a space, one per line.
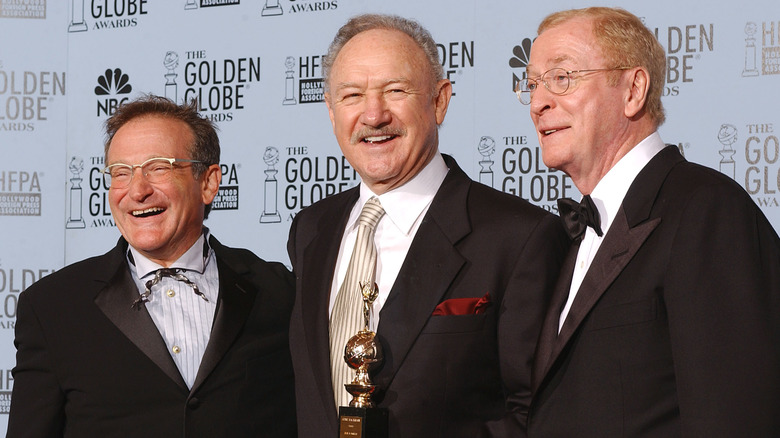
pixel 112 14
pixel 526 176
pixel 97 202
pixel 454 57
pixel 762 153
pixel 25 97
pixel 311 178
pixel 219 85
pixel 684 45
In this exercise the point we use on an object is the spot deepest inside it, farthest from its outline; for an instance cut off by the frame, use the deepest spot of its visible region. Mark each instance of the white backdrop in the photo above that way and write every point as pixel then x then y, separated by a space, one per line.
pixel 256 65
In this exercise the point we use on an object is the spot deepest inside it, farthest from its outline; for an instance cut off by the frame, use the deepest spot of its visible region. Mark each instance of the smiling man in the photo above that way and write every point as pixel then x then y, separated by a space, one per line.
pixel 666 319
pixel 171 333
pixel 463 271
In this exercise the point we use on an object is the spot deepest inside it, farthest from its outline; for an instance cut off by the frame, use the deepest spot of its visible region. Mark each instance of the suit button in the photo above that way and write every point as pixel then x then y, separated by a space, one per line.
pixel 193 403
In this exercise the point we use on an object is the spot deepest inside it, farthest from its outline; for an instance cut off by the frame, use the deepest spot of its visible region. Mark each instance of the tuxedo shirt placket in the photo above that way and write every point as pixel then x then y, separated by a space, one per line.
pixel 183 318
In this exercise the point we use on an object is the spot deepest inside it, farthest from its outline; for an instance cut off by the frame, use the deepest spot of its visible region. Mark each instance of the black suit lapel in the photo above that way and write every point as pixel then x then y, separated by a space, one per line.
pixel 618 248
pixel 321 257
pixel 549 332
pixel 631 227
pixel 236 299
pixel 116 299
pixel 426 274
pixel 430 266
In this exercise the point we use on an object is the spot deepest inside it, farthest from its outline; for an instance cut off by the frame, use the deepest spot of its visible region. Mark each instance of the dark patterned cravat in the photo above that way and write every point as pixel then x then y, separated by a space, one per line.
pixel 166 272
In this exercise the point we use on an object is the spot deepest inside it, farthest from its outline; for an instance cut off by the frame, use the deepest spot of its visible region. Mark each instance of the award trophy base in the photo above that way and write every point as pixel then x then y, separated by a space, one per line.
pixel 362 422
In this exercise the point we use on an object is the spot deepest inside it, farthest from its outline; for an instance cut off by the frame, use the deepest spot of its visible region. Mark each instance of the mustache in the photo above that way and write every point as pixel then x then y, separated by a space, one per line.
pixel 358 136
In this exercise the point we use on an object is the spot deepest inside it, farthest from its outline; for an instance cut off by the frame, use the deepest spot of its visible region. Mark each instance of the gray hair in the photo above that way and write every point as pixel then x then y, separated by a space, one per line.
pixel 362 23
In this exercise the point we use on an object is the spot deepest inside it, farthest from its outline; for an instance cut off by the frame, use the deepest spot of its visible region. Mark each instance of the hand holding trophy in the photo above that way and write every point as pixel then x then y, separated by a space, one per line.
pixel 362 419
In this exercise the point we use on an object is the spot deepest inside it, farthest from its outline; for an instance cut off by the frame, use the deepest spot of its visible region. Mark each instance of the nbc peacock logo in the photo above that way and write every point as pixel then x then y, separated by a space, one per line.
pixel 110 85
pixel 520 56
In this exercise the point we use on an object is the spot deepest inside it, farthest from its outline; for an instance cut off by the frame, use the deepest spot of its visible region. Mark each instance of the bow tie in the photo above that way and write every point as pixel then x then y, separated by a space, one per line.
pixel 577 217
pixel 165 272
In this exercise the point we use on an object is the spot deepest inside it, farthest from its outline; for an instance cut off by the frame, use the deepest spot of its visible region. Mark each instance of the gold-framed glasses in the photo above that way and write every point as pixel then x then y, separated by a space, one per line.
pixel 155 170
pixel 556 80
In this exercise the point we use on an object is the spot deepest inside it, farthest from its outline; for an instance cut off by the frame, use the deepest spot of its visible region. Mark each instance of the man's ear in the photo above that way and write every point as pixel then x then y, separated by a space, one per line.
pixel 210 183
pixel 636 93
pixel 441 99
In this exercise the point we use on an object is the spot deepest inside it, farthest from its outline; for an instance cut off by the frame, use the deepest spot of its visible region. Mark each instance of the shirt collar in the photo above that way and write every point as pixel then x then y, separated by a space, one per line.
pixel 193 260
pixel 611 189
pixel 404 205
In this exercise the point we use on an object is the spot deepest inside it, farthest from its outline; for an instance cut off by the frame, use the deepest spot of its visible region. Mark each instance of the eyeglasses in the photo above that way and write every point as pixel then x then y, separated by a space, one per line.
pixel 155 170
pixel 556 80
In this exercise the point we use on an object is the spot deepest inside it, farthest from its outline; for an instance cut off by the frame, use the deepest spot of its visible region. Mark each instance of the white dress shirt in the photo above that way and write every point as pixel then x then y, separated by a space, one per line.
pixel 404 208
pixel 183 318
pixel 608 196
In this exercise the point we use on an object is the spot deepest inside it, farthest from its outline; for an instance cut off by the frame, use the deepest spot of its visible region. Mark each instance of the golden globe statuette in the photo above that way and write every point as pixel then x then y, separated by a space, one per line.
pixel 362 419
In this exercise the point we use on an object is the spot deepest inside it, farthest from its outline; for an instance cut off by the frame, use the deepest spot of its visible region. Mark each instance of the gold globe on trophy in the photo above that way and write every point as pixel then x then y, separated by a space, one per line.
pixel 362 353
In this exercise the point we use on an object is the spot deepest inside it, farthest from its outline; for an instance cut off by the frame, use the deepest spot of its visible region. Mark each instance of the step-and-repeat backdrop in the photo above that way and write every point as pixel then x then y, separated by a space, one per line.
pixel 256 68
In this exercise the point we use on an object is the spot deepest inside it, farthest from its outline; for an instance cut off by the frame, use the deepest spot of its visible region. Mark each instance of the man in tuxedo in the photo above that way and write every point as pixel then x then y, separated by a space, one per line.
pixel 171 333
pixel 666 318
pixel 463 271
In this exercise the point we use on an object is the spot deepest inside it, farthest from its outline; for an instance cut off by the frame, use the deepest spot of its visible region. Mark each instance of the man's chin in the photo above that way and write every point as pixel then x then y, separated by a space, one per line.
pixel 145 243
pixel 549 158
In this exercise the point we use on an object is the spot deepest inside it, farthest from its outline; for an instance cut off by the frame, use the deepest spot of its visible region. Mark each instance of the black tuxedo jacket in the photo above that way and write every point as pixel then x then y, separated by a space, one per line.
pixel 675 330
pixel 442 376
pixel 89 365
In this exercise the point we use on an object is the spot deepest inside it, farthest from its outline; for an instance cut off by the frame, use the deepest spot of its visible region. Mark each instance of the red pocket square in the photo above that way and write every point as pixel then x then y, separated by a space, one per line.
pixel 463 306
